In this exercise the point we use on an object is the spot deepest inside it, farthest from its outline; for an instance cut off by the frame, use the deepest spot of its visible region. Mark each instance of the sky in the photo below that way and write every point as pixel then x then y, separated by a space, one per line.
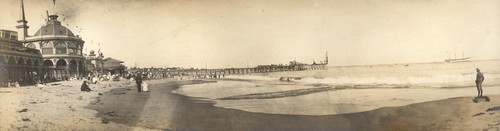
pixel 234 33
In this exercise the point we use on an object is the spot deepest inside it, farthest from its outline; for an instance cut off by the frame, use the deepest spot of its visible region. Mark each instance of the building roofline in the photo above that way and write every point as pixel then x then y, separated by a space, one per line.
pixel 52 37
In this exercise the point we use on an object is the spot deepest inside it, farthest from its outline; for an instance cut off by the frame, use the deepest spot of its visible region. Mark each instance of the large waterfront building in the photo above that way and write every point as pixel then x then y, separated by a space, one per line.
pixel 52 53
pixel 61 49
pixel 17 63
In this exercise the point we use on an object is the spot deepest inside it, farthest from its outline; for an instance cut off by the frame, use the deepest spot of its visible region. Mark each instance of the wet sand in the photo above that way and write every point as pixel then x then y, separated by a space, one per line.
pixel 279 94
pixel 162 109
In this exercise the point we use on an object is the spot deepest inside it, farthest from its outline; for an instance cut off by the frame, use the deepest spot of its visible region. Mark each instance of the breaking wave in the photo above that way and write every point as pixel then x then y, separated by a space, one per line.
pixel 390 80
pixel 251 77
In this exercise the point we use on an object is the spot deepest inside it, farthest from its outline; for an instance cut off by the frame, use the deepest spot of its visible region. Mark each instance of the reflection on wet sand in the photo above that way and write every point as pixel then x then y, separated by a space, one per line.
pixel 162 109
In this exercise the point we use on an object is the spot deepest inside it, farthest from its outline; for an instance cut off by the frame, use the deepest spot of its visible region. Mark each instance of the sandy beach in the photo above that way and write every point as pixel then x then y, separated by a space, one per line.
pixel 57 107
pixel 120 107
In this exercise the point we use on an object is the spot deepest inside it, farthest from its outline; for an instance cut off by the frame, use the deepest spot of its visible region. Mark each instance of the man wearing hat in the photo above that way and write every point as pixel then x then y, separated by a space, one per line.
pixel 479 82
pixel 138 81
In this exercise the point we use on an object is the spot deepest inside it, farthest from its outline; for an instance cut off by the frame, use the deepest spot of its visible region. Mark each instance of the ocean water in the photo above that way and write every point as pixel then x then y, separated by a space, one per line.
pixel 394 75
pixel 360 88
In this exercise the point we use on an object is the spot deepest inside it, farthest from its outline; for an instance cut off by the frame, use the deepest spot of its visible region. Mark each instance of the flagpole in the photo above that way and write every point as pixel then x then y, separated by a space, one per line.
pixel 54 6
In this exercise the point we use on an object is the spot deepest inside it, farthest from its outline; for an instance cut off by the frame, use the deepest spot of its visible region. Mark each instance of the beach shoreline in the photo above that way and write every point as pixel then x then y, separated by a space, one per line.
pixel 121 107
pixel 202 114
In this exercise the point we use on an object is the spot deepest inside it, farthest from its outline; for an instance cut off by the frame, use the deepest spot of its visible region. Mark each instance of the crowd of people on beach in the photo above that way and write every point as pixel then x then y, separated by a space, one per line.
pixel 147 75
pixel 35 79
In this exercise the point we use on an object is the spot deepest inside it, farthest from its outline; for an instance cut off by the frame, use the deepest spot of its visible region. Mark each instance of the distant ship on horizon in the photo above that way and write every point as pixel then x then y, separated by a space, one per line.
pixel 454 60
pixel 458 60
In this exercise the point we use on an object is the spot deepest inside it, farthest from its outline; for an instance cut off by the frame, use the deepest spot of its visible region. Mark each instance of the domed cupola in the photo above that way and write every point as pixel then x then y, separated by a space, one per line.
pixel 55 40
pixel 54 28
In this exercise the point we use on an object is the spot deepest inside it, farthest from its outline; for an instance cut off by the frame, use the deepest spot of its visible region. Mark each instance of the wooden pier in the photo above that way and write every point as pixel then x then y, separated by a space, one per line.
pixel 220 73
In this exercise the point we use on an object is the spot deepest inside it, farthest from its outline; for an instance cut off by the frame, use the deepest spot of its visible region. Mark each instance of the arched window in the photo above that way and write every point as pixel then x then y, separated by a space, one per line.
pixel 79 51
pixel 47 48
pixel 61 48
pixel 72 48
pixel 31 45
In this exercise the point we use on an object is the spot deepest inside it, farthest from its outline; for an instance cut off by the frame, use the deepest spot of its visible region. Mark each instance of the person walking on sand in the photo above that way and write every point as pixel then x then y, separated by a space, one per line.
pixel 85 87
pixel 138 81
pixel 479 82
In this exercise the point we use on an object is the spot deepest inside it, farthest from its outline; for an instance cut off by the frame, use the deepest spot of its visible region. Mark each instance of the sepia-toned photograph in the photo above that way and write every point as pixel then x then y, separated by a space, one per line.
pixel 250 65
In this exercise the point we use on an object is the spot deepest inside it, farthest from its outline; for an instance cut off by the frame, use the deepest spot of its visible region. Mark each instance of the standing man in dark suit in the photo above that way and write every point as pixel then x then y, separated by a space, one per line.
pixel 138 81
pixel 479 82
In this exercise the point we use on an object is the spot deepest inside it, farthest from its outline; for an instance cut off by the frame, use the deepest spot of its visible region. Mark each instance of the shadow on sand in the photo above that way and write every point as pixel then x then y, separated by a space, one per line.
pixel 118 104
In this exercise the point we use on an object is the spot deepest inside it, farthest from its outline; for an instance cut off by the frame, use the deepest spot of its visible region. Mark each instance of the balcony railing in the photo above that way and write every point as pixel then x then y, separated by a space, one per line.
pixel 56 67
pixel 19 49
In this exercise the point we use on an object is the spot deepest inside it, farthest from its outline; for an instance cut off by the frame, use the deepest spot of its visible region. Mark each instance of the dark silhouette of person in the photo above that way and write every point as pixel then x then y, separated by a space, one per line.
pixel 138 81
pixel 85 87
pixel 479 82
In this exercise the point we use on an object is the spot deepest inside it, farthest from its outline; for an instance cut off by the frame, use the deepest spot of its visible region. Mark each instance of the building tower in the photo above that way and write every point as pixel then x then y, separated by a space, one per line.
pixel 23 24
